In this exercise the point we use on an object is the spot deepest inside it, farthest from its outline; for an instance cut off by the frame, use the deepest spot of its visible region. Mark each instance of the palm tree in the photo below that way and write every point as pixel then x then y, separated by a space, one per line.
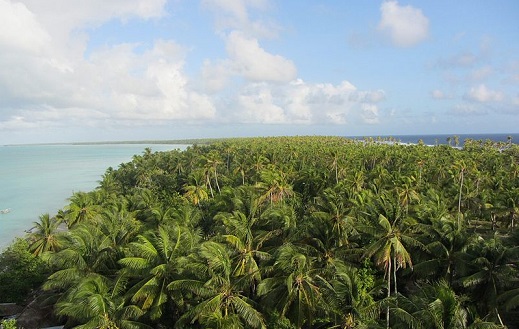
pixel 97 303
pixel 243 236
pixel 432 306
pixel 335 210
pixel 493 266
pixel 461 167
pixel 44 236
pixel 83 207
pixel 155 261
pixel 335 165
pixel 196 191
pixel 213 159
pixel 275 186
pixel 118 227
pixel 406 193
pixel 216 292
pixel 241 167
pixel 83 253
pixel 390 238
pixel 296 286
pixel 445 246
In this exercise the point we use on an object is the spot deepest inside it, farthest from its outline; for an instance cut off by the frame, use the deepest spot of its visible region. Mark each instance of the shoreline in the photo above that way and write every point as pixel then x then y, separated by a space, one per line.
pixel 436 139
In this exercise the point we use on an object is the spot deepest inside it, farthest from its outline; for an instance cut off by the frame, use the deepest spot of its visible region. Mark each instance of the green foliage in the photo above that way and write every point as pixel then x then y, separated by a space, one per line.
pixel 9 324
pixel 292 232
pixel 20 272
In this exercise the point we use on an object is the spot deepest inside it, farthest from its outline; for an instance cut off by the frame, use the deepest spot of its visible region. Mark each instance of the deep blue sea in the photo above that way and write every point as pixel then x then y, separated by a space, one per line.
pixel 38 179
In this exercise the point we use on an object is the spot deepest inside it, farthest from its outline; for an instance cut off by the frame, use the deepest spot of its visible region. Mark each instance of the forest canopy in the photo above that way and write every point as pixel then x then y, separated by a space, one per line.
pixel 291 232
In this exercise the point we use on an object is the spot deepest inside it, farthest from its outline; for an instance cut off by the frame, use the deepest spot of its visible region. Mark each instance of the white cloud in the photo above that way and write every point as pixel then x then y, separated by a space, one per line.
pixel 405 25
pixel 114 83
pixel 71 14
pixel 461 60
pixel 246 60
pixel 215 76
pixel 483 95
pixel 481 73
pixel 254 63
pixel 468 110
pixel 438 94
pixel 48 79
pixel 20 29
pixel 234 15
pixel 441 94
pixel 299 102
pixel 370 114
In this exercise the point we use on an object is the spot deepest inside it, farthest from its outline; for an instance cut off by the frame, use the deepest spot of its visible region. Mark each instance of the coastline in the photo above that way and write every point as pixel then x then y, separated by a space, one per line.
pixel 38 179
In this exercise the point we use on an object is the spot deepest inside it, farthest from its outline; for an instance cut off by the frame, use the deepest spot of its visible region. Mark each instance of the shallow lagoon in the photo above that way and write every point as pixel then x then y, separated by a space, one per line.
pixel 38 179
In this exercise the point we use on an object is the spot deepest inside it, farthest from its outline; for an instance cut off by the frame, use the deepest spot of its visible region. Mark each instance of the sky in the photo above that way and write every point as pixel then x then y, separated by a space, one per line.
pixel 98 70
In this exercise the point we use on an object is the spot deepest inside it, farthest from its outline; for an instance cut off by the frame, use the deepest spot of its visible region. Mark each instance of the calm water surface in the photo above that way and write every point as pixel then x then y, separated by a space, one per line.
pixel 38 179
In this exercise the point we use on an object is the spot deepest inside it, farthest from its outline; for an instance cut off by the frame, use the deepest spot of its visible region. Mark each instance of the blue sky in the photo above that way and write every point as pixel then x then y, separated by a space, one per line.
pixel 155 69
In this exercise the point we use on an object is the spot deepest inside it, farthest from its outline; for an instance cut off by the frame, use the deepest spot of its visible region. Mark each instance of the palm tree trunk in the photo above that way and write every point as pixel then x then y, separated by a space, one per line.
pixel 208 179
pixel 336 174
pixel 388 292
pixel 394 275
pixel 216 180
pixel 499 317
pixel 459 199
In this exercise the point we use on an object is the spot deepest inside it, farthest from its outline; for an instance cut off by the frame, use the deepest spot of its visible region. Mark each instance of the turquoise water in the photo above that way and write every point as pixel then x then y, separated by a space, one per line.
pixel 38 179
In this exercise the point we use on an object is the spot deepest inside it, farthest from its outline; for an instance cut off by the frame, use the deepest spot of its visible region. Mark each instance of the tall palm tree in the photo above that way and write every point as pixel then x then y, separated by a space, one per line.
pixel 196 191
pixel 216 293
pixel 445 247
pixel 391 240
pixel 275 186
pixel 213 160
pixel 246 240
pixel 493 266
pixel 432 306
pixel 83 207
pixel 96 302
pixel 334 208
pixel 295 287
pixel 335 164
pixel 44 235
pixel 83 253
pixel 155 261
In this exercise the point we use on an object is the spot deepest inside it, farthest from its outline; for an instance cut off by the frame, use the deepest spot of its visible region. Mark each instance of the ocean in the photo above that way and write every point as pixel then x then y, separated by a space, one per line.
pixel 38 179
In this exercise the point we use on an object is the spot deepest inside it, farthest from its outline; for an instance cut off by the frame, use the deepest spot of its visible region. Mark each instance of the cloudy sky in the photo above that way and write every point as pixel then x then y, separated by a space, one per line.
pixel 75 70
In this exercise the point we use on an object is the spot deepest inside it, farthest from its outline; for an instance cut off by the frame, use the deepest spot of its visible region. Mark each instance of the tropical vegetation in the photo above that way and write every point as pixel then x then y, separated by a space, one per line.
pixel 291 232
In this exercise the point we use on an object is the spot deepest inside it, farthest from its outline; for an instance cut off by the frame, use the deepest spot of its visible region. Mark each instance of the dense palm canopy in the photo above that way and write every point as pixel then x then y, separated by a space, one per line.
pixel 292 232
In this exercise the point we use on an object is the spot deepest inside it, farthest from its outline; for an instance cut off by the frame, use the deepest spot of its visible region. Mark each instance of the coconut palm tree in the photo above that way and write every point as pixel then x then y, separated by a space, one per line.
pixel 96 302
pixel 432 306
pixel 215 293
pixel 275 186
pixel 155 260
pixel 44 236
pixel 334 209
pixel 246 240
pixel 391 239
pixel 83 253
pixel 196 191
pixel 493 264
pixel 83 207
pixel 296 286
